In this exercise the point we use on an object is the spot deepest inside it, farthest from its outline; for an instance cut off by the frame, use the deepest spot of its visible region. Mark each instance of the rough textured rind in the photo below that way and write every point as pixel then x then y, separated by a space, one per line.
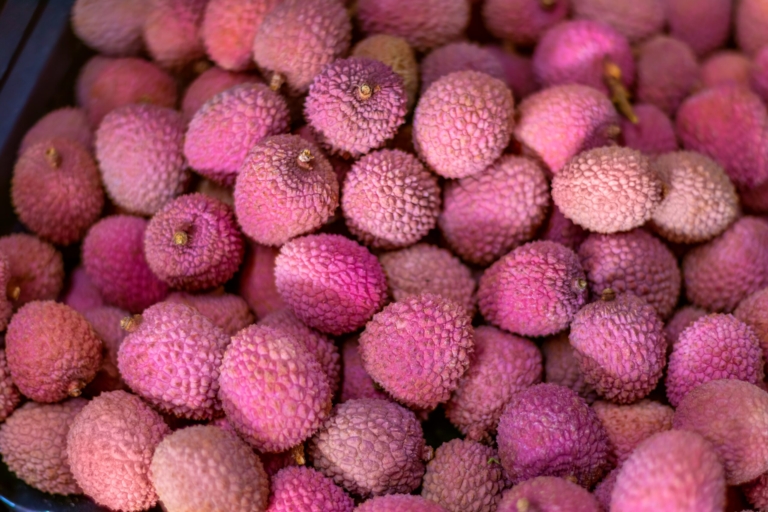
pixel 721 273
pixel 518 71
pixel 6 301
pixel 278 195
pixel 110 446
pixel 667 72
pixel 400 503
pixel 210 83
pixel 673 471
pixel 331 283
pixel 300 488
pixel 67 122
pixel 733 416
pixel 575 52
pixel 759 75
pixel 52 351
pixel 682 318
pixel 699 203
pixel 703 24
pixel 36 268
pixel 548 494
pixel 227 126
pixel 635 262
pixel 586 191
pixel 459 56
pixel 752 311
pixel 502 364
pixel 652 134
pixel 755 200
pixel 371 447
pixel 560 229
pixel 522 22
pixel 560 122
pixel 714 347
pixel 87 76
pixel 33 443
pixel 228 312
pixel 535 290
pixel 172 360
pixel 56 190
pixel 273 390
pixel 356 382
pixel 113 27
pixel 756 492
pixel 9 393
pixel 425 25
pixel 750 20
pixel 604 489
pixel 79 292
pixel 634 20
pixel 257 280
pixel 204 468
pixel 424 268
pixel 492 212
pixel 113 257
pixel 105 321
pixel 172 32
pixel 396 53
pixel 389 199
pixel 729 124
pixel 629 425
pixel 548 430
pixel 457 137
pixel 723 67
pixel 562 368
pixel 313 33
pixel 139 149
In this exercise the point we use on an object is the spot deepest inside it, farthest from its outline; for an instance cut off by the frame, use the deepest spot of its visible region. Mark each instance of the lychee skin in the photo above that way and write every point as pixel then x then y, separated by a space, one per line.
pixel 635 20
pixel 490 213
pixel 331 283
pixel 535 290
pixel 518 71
pixel 667 72
pixel 172 32
pixel 303 488
pixel 9 393
pixel 733 416
pixel 653 133
pixel 751 311
pixel 560 229
pixel 396 53
pixel 522 22
pixel 703 24
pixel 52 351
pixel 6 304
pixel 620 346
pixel 548 430
pixel 105 321
pixel 721 273
pixel 562 368
pixel 759 75
pixel 548 494
pixel 459 56
pixel 604 489
pixel 750 19
pixel 257 280
pixel 113 257
pixel 356 382
pixel 456 138
pixel 211 247
pixel 724 67
pixel 208 84
pixel 671 471
pixel 400 503
pixel 756 492
pixel 418 349
pixel 36 268
pixel 67 122
pixel 111 27
pixel 714 347
pixel 79 292
pixel 110 446
pixel 682 318
pixel 227 311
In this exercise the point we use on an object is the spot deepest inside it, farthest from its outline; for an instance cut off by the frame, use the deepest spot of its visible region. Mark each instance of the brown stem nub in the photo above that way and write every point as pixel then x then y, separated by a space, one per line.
pixel 298 454
pixel 14 292
pixel 53 157
pixel 130 323
pixel 548 5
pixel 276 81
pixel 608 295
pixel 581 284
pixel 75 388
pixel 201 66
pixel 180 238
pixel 619 93
pixel 365 91
pixel 523 505
pixel 305 159
pixel 494 460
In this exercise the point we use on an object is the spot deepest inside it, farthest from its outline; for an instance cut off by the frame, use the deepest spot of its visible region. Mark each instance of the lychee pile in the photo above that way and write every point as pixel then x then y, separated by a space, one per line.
pixel 396 256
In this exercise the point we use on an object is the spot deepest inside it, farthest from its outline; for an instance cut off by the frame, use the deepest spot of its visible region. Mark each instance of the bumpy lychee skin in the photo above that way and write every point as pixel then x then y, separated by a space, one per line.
pixel 227 126
pixel 205 468
pixel 371 447
pixel 549 430
pixel 356 104
pixel 534 290
pixel 459 56
pixel 492 212
pixel 751 17
pixel 110 446
pixel 548 494
pixel 620 346
pixel 425 25
pixel 604 489
pixel 634 20
pixel 286 187
pixel 733 416
pixel 755 200
pixel 52 351
pixel 172 32
pixel 560 229
pixel 79 292
pixel 396 53
pixel 751 311
pixel 297 39
pixel 106 323
pixel 576 52
pixel 714 347
pixel 400 503
pixel 56 190
pixel 86 78
pixel 257 280
pixel 172 360
pixel 667 72
pixel 426 268
pixel 331 283
pixel 33 443
pixel 113 27
pixel 67 122
pixel 671 471
pixel 274 391
pixel 700 201
pixel 724 67
pixel 301 488
pixel 629 425
pixel 721 273
pixel 458 138
pixel 36 269
pixel 502 365
pixel 113 257
pixel 560 122
pixel 756 492
pixel 6 301
pixel 389 199
pixel 682 318
pixel 703 24
pixel 652 134
pixel 585 189
pixel 562 368
pixel 418 349
pixel 9 393
pixel 635 262
pixel 356 383
pixel 210 83
pixel 727 123
pixel 228 312
pixel 523 22
pixel 139 149
pixel 759 77
pixel 464 476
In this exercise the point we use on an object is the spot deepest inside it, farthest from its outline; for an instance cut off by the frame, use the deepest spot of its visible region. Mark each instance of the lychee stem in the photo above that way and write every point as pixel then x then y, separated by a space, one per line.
pixel 494 460
pixel 180 238
pixel 365 91
pixel 14 292
pixel 523 505
pixel 305 159
pixel 298 455
pixel 201 66
pixel 608 295
pixel 130 323
pixel 581 284
pixel 276 81
pixel 53 157
pixel 619 93
pixel 75 388
pixel 548 5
